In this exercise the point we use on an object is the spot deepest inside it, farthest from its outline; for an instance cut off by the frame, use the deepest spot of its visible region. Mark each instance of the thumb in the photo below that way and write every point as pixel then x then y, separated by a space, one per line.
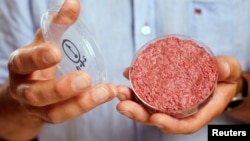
pixel 229 69
pixel 68 12
pixel 58 19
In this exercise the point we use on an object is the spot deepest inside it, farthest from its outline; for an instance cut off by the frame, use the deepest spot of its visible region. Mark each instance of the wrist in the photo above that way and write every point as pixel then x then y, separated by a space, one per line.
pixel 18 123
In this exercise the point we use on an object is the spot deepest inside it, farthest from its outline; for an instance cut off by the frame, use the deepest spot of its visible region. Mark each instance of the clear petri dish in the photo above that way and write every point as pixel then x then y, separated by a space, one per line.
pixel 174 74
pixel 79 49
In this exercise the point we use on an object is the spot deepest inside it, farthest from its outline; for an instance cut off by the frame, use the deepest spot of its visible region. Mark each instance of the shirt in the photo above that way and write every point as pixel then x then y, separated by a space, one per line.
pixel 121 28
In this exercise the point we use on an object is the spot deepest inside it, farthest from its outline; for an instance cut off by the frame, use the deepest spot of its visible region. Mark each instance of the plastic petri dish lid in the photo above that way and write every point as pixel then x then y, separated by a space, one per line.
pixel 174 74
pixel 79 49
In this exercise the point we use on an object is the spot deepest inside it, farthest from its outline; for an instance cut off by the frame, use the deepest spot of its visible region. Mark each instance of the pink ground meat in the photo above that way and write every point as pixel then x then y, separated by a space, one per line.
pixel 173 74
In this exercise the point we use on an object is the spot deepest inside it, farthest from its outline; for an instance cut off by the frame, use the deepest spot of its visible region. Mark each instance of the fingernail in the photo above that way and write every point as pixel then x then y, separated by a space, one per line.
pixel 127 114
pixel 100 94
pixel 49 57
pixel 79 83
pixel 121 97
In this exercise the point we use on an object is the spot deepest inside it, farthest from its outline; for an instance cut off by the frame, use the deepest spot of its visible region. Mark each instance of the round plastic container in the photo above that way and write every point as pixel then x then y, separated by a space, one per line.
pixel 174 74
pixel 79 49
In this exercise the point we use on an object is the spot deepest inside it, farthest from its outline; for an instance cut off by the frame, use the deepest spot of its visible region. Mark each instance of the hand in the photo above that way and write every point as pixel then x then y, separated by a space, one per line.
pixel 32 94
pixel 229 77
pixel 32 82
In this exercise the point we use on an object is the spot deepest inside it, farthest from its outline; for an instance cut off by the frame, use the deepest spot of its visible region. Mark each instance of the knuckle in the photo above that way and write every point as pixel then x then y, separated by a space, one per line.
pixel 82 106
pixel 113 90
pixel 110 89
pixel 53 117
pixel 30 109
pixel 58 92
pixel 34 59
pixel 14 62
pixel 29 97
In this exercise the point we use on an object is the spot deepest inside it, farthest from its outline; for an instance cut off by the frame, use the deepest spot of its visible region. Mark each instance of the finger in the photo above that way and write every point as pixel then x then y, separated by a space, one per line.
pixel 229 68
pixel 222 95
pixel 47 92
pixel 173 125
pixel 26 60
pixel 68 13
pixel 124 93
pixel 126 73
pixel 77 105
pixel 133 110
pixel 38 38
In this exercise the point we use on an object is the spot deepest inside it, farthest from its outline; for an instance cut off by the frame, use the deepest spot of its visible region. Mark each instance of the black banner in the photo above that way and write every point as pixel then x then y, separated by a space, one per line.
pixel 239 132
